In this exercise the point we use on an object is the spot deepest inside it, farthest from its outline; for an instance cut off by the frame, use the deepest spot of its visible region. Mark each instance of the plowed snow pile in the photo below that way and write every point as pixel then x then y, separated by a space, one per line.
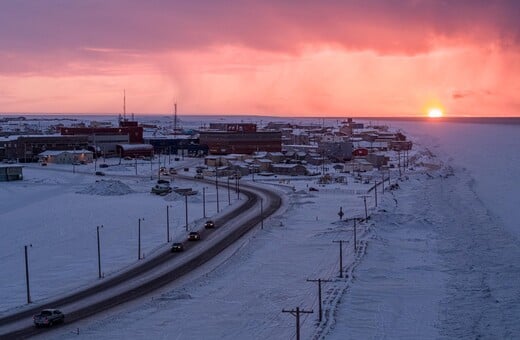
pixel 107 188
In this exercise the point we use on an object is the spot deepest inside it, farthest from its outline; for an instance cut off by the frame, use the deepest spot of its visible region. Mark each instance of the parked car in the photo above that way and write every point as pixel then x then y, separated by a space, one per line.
pixel 209 224
pixel 103 165
pixel 163 181
pixel 186 169
pixel 177 247
pixel 44 164
pixel 173 171
pixel 48 317
pixel 313 189
pixel 194 236
pixel 100 173
pixel 127 158
pixel 198 176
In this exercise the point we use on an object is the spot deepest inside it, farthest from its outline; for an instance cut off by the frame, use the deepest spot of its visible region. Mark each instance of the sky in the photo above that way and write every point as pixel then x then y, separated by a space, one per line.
pixel 287 58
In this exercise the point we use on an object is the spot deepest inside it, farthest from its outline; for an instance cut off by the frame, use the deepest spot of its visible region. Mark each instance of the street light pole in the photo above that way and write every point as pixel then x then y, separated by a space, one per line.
pixel 204 202
pixel 186 208
pixel 262 213
pixel 228 192
pixel 27 274
pixel 355 235
pixel 216 187
pixel 99 251
pixel 167 223
pixel 375 191
pixel 139 239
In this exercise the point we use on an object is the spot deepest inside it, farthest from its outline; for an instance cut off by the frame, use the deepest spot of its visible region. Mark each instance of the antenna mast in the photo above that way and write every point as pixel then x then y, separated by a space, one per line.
pixel 124 104
pixel 175 119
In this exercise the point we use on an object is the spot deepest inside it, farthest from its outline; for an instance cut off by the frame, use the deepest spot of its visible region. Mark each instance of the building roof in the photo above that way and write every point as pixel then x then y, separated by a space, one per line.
pixel 59 152
pixel 129 147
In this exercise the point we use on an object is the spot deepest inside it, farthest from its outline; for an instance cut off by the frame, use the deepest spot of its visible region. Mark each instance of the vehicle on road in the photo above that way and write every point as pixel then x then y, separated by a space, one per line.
pixel 48 317
pixel 199 176
pixel 194 236
pixel 163 181
pixel 100 173
pixel 209 224
pixel 177 247
pixel 44 164
pixel 103 165
pixel 173 171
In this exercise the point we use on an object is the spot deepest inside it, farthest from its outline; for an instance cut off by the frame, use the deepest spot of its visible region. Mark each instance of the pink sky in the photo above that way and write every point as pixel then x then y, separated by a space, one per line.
pixel 302 58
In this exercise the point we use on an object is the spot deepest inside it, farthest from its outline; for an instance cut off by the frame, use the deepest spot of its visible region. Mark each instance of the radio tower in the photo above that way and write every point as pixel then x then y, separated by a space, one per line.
pixel 124 105
pixel 175 119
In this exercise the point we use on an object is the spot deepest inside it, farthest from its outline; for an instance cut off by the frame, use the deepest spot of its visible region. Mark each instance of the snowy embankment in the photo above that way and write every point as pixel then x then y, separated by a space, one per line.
pixel 441 263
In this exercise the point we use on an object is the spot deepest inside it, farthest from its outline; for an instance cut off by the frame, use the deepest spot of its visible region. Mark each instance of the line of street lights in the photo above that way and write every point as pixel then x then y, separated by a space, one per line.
pixel 99 227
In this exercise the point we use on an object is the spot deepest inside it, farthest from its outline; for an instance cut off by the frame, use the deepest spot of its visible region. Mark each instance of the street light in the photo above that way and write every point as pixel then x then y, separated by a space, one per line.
pixel 186 208
pixel 168 223
pixel 99 251
pixel 27 273
pixel 216 187
pixel 228 192
pixel 139 239
pixel 262 212
pixel 204 202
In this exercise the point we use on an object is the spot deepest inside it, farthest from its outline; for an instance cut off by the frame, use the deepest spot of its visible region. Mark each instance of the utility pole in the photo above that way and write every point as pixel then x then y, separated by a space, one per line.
pixel 319 295
pixel 139 239
pixel 135 165
pixel 204 202
pixel 167 223
pixel 99 251
pixel 27 274
pixel 365 201
pixel 340 256
pixel 296 312
pixel 186 209
pixel 383 181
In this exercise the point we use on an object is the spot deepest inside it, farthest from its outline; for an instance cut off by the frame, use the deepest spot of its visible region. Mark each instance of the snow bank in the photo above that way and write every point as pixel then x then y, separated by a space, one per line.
pixel 107 188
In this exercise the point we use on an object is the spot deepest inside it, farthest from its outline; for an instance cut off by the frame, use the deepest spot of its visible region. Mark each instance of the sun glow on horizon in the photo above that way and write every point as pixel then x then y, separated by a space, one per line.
pixel 435 113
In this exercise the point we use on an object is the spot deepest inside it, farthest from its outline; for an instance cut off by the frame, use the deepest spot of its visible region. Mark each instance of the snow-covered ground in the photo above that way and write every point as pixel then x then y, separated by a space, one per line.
pixel 437 259
pixel 57 211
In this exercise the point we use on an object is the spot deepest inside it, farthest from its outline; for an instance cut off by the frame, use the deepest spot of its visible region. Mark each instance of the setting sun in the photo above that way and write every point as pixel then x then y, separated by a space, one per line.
pixel 435 113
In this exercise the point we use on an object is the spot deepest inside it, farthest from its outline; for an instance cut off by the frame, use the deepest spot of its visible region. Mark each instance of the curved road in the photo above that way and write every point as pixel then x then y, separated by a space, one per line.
pixel 148 276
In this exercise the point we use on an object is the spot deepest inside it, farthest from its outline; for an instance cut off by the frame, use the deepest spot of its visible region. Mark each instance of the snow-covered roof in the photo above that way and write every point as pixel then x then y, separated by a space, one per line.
pixel 128 147
pixel 59 152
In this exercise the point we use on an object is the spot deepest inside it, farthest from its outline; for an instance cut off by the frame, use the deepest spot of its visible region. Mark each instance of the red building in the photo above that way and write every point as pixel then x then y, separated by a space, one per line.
pixel 130 128
pixel 240 138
